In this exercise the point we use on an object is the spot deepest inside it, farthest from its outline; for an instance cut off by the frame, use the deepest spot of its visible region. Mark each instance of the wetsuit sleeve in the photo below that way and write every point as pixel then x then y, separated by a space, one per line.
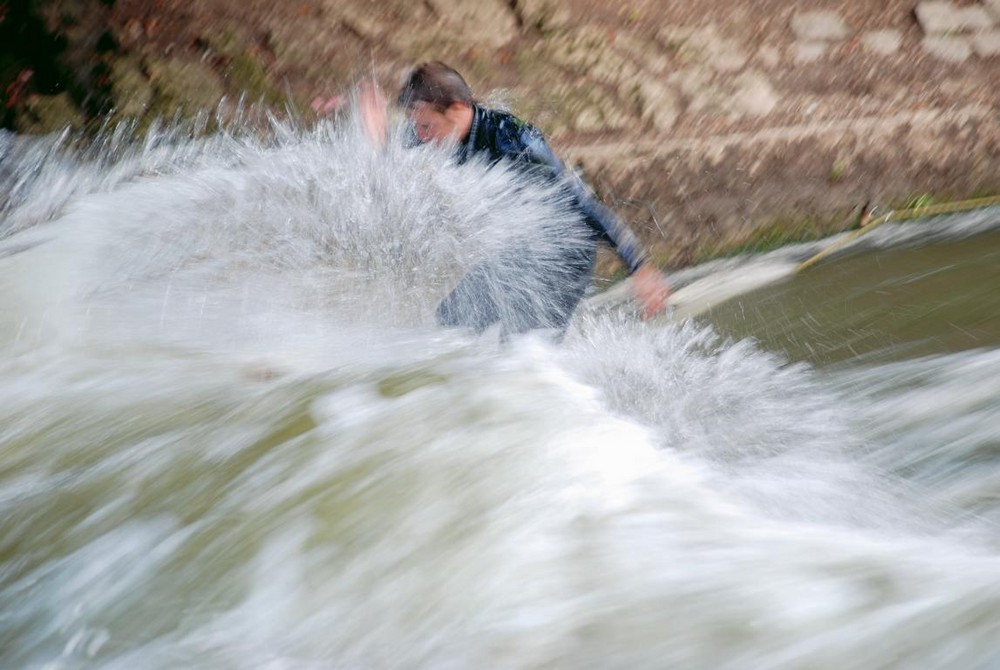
pixel 606 224
pixel 410 138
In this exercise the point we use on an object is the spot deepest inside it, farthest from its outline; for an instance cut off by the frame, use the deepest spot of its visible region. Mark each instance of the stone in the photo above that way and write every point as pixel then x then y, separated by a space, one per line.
pixel 587 51
pixel 543 15
pixel 629 65
pixel 950 49
pixel 993 7
pixel 659 103
pixel 705 93
pixel 937 17
pixel 488 22
pixel 884 42
pixel 975 18
pixel 589 120
pixel 986 45
pixel 365 25
pixel 705 46
pixel 754 95
pixel 819 25
pixel 614 67
pixel 643 52
pixel 808 52
pixel 599 117
pixel 769 56
pixel 694 83
pixel 587 109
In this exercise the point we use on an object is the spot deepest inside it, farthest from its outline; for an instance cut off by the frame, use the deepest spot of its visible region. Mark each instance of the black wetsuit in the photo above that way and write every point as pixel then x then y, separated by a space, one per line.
pixel 493 291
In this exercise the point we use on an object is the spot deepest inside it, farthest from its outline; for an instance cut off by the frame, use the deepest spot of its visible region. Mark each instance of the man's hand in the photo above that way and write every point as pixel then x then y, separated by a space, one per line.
pixel 325 106
pixel 650 289
pixel 373 108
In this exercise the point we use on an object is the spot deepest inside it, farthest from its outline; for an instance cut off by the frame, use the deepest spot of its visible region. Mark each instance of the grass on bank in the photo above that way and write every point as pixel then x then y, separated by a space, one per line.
pixel 784 231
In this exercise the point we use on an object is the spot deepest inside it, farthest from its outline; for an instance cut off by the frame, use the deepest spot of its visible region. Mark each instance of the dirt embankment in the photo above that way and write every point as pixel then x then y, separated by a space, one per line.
pixel 710 125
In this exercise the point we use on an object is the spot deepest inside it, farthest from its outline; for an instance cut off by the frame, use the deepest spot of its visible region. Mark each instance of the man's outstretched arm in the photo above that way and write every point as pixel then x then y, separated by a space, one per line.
pixel 374 113
pixel 649 285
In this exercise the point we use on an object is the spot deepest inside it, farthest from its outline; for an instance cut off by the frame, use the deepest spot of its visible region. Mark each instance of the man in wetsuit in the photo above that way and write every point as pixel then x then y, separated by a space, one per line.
pixel 441 107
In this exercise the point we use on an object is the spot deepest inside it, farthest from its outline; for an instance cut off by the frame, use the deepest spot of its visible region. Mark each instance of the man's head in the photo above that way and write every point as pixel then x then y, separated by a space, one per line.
pixel 438 102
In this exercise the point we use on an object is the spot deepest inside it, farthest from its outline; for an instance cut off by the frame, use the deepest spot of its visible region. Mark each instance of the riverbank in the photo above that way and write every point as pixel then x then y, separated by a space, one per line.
pixel 711 128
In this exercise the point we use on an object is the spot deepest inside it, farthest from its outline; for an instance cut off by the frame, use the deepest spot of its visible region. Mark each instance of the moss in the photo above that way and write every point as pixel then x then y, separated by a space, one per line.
pixel 183 87
pixel 247 75
pixel 783 231
pixel 837 172
pixel 915 201
pixel 49 113
pixel 918 201
pixel 985 192
pixel 228 41
pixel 243 72
pixel 131 90
pixel 777 233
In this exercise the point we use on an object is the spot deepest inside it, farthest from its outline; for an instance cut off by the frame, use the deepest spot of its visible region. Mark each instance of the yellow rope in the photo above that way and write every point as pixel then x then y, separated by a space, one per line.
pixel 901 215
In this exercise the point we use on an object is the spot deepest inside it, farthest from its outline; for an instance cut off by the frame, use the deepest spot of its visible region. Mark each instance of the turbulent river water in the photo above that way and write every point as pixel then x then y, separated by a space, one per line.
pixel 232 437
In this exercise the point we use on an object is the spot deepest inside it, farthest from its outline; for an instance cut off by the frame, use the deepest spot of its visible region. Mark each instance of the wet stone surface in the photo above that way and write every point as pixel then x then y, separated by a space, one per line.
pixel 820 25
pixel 944 18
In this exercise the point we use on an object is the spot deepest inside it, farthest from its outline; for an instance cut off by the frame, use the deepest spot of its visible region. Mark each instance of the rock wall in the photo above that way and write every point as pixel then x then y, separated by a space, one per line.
pixel 711 125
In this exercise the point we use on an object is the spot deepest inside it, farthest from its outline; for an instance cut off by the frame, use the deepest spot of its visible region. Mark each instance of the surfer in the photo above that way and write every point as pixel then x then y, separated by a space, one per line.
pixel 441 109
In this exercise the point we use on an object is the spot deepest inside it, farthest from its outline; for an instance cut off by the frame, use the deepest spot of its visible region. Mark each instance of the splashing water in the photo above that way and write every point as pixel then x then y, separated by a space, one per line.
pixel 231 436
pixel 300 223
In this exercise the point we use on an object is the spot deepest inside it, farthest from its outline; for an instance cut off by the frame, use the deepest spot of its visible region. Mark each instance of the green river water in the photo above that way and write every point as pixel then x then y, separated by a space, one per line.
pixel 232 436
pixel 878 305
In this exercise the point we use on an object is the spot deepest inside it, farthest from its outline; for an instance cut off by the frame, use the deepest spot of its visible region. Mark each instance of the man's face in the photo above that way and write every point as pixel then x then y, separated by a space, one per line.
pixel 432 125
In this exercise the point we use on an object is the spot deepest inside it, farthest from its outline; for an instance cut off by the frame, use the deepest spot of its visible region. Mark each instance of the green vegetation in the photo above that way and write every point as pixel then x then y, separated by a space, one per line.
pixel 247 74
pixel 837 172
pixel 778 233
pixel 45 113
pixel 922 200
pixel 783 231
